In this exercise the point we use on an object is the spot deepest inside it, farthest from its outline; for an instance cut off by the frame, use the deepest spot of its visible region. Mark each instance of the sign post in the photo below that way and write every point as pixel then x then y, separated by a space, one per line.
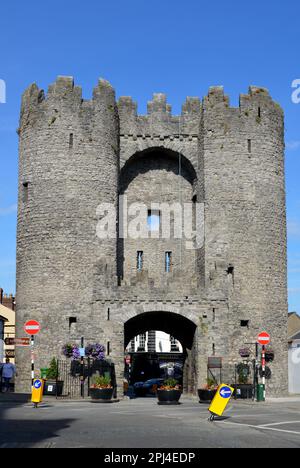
pixel 32 328
pixel 264 339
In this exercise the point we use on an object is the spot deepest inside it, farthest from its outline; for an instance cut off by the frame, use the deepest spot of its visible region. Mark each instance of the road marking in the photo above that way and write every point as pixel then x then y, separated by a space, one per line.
pixel 263 428
pixel 280 423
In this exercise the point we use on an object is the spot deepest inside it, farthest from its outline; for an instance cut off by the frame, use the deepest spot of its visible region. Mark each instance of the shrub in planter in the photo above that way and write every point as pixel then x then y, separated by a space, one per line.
pixel 243 389
pixel 53 386
pixel 170 393
pixel 101 388
pixel 208 392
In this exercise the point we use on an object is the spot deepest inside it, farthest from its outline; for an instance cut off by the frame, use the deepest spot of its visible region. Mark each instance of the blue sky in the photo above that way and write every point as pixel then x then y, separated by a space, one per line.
pixel 173 46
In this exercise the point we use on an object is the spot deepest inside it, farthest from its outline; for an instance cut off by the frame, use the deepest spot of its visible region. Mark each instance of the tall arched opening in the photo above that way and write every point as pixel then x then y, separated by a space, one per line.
pixel 179 327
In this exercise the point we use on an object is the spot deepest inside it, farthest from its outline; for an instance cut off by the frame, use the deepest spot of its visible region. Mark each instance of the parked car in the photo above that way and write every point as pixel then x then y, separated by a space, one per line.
pixel 147 388
pixel 152 385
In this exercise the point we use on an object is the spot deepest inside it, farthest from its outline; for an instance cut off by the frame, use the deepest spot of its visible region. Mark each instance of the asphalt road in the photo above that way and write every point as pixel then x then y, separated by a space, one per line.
pixel 142 423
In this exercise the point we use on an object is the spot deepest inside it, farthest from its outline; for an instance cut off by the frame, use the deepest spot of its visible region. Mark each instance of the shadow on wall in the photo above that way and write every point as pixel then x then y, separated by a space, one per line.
pixel 28 432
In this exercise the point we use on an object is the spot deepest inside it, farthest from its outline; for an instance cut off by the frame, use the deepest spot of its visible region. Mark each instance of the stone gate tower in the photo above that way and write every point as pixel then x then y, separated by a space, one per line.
pixel 77 154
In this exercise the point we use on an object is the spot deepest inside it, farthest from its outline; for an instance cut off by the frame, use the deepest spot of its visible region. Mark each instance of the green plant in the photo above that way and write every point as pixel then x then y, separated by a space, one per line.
pixel 243 373
pixel 52 372
pixel 101 381
pixel 171 383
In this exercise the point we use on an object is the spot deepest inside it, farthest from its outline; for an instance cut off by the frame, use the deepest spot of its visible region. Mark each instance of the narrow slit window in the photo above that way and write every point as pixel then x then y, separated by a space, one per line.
pixel 249 146
pixel 259 112
pixel 108 348
pixel 140 260
pixel 71 140
pixel 168 262
pixel 25 192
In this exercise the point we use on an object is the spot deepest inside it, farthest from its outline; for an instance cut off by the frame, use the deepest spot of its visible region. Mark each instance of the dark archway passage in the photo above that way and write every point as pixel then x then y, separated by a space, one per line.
pixel 178 326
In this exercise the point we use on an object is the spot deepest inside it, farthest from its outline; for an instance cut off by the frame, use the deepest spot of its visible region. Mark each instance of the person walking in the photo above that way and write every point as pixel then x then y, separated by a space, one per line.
pixel 8 372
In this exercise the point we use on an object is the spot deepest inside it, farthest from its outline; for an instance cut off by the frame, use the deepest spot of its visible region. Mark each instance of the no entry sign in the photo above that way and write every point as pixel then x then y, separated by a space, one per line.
pixel 32 327
pixel 264 338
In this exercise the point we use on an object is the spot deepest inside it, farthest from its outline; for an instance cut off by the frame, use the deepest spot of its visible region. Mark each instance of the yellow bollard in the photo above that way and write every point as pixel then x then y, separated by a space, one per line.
pixel 220 401
pixel 37 392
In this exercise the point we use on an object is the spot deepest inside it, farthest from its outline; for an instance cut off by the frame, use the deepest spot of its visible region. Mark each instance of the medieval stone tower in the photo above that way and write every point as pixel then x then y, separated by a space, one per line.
pixel 77 154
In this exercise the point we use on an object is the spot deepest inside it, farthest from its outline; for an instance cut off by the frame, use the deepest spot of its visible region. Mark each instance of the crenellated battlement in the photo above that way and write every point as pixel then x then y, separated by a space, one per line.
pixel 63 93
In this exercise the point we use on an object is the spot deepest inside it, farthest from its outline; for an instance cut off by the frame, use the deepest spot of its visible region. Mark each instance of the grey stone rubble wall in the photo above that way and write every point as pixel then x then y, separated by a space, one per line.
pixel 64 270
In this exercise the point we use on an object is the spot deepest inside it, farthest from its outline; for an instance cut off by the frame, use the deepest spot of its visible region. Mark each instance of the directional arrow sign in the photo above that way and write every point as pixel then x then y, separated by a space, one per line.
pixel 37 384
pixel 225 392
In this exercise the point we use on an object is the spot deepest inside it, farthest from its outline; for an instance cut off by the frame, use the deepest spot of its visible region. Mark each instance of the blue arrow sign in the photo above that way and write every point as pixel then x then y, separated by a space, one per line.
pixel 37 384
pixel 225 392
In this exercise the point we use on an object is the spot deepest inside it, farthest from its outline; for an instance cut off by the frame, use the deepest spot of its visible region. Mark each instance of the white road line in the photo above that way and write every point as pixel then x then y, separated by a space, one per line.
pixel 263 428
pixel 280 423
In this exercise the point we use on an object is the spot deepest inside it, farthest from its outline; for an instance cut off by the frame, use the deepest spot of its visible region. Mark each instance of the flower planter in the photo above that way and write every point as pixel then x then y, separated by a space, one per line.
pixel 104 394
pixel 168 397
pixel 243 391
pixel 53 388
pixel 206 396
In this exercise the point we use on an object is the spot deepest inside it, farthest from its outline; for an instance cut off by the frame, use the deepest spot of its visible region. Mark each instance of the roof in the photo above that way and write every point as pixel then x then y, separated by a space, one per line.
pixel 295 337
pixel 293 324
pixel 9 314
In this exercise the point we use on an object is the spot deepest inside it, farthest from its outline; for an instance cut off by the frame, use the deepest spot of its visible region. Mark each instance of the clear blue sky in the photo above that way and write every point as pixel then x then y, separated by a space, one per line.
pixel 173 46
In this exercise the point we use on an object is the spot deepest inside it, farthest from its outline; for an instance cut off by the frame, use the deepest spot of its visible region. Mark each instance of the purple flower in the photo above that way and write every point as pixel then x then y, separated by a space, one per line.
pixel 96 351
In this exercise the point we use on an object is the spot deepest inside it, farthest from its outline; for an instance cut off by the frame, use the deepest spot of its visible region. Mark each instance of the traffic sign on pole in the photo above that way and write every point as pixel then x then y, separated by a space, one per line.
pixel 32 327
pixel 264 338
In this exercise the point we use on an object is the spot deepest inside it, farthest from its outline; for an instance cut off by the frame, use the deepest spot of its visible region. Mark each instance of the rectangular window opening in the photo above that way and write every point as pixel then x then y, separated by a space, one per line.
pixel 249 146
pixel 25 191
pixel 245 323
pixel 72 322
pixel 168 262
pixel 154 220
pixel 140 260
pixel 71 140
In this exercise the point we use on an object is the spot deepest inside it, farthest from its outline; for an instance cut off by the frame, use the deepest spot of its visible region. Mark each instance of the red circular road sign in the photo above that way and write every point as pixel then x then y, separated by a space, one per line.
pixel 32 327
pixel 264 338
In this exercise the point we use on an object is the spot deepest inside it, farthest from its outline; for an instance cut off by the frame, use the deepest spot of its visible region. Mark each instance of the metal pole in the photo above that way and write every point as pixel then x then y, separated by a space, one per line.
pixel 32 359
pixel 82 371
pixel 263 364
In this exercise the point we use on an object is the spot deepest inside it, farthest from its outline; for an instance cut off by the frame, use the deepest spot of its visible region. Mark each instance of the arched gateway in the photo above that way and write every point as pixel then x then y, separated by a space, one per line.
pixel 196 232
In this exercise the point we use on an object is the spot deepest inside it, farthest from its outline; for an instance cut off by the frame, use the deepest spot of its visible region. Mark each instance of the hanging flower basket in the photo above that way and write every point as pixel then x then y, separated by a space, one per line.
pixel 71 351
pixel 95 351
pixel 245 352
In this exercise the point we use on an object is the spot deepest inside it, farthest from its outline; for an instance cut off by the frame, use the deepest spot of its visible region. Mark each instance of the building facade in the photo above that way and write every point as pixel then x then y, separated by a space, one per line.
pixel 7 309
pixel 154 342
pixel 214 290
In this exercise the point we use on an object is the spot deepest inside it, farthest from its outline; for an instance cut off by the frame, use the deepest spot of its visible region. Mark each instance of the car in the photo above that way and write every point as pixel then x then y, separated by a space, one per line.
pixel 151 386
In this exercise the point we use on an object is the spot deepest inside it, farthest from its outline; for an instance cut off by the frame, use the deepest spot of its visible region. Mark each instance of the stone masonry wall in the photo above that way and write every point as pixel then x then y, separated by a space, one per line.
pixel 75 154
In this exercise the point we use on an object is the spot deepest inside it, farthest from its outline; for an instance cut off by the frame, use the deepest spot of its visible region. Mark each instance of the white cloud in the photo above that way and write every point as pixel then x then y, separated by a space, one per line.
pixel 8 210
pixel 294 290
pixel 293 145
